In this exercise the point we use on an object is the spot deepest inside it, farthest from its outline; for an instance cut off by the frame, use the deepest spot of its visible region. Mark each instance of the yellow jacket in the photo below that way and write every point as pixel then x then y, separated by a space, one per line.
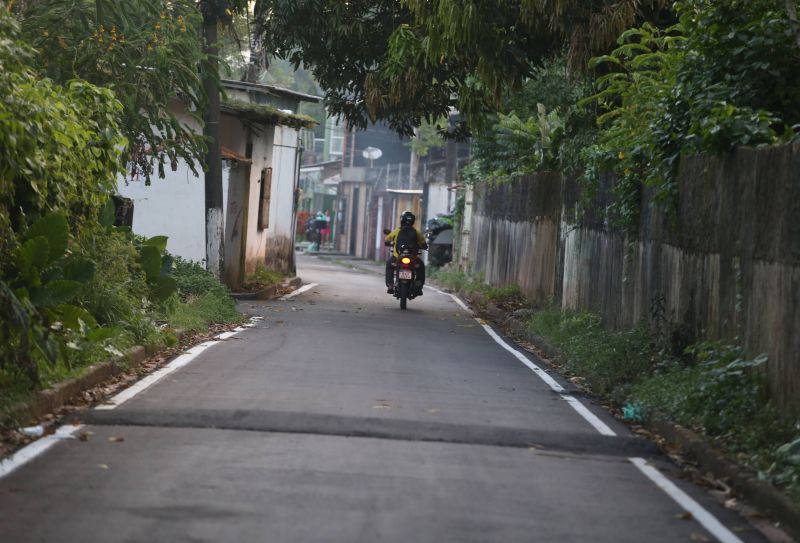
pixel 392 236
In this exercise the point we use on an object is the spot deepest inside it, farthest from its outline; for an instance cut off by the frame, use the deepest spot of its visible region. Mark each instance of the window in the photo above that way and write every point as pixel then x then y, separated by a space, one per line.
pixel 264 198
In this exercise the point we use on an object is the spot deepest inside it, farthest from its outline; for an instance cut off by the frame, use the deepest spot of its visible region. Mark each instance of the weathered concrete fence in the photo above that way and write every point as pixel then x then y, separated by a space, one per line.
pixel 727 265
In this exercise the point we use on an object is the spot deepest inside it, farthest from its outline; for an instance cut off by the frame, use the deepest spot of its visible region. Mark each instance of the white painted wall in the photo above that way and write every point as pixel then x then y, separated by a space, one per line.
pixel 284 162
pixel 438 200
pixel 173 207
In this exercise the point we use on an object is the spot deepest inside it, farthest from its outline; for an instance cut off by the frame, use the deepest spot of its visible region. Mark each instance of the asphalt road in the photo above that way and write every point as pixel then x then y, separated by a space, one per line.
pixel 340 418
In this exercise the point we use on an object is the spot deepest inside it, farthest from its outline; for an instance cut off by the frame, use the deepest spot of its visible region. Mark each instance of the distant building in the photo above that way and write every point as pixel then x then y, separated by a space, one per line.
pixel 373 192
pixel 259 134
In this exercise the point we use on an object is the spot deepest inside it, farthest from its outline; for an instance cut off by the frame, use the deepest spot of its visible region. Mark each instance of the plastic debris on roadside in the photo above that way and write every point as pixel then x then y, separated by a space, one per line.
pixel 33 431
pixel 632 412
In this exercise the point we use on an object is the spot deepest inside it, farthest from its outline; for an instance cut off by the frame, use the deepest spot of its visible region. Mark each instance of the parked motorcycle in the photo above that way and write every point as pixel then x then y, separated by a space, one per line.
pixel 405 273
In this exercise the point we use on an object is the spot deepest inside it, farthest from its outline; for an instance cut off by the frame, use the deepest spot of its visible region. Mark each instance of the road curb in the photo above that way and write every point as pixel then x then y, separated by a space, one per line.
pixel 55 397
pixel 744 480
pixel 60 394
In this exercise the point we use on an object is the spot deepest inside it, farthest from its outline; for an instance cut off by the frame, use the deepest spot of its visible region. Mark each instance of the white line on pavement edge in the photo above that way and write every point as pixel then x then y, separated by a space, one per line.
pixel 29 452
pixel 709 521
pixel 301 290
pixel 38 447
pixel 698 512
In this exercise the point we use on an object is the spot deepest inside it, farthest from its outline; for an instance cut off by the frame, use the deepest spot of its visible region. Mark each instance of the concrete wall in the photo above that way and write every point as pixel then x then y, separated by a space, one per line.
pixel 175 206
pixel 727 265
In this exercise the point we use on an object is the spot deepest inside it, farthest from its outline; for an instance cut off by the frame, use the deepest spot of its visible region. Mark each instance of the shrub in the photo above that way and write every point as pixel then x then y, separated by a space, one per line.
pixel 610 362
pixel 201 299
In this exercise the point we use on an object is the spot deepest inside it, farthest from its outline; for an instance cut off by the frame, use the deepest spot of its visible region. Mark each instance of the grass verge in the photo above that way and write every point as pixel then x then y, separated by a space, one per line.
pixel 507 297
pixel 200 302
pixel 712 388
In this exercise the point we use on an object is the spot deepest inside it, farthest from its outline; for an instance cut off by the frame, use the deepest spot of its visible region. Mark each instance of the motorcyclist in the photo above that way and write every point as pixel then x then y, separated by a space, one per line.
pixel 406 234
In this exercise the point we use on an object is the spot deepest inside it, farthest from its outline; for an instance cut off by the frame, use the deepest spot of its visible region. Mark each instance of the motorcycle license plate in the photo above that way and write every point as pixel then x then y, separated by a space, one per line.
pixel 404 274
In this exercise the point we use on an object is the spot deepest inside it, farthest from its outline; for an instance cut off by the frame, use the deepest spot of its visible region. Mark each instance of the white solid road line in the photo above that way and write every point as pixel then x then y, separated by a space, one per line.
pixel 31 451
pixel 700 514
pixel 301 290
pixel 38 447
pixel 706 519
pixel 153 378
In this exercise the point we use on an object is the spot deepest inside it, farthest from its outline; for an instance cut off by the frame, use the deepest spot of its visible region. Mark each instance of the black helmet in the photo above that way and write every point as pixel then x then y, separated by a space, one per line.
pixel 407 219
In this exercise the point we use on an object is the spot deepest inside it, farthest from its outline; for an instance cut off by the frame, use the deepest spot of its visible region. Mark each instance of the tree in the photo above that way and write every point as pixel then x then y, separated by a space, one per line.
pixel 60 158
pixel 146 51
pixel 214 12
pixel 407 61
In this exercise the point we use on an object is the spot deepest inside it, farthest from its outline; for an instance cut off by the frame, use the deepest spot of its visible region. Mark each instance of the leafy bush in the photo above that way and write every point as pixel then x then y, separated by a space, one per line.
pixel 610 362
pixel 264 276
pixel 146 51
pixel 539 128
pixel 201 299
pixel 713 389
pixel 118 295
pixel 450 277
pixel 53 138
pixel 722 77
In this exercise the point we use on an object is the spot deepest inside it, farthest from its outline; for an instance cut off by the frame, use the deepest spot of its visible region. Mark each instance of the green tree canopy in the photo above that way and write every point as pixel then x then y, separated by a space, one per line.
pixel 146 51
pixel 411 60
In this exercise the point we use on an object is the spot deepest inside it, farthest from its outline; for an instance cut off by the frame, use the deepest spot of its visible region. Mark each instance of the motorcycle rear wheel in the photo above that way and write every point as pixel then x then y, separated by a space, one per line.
pixel 404 287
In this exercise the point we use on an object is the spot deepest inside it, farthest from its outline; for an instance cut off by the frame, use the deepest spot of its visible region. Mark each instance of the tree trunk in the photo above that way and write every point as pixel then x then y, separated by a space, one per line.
pixel 215 227
pixel 413 166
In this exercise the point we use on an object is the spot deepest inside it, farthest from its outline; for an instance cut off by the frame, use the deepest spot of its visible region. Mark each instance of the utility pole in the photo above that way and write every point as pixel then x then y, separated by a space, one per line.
pixel 215 218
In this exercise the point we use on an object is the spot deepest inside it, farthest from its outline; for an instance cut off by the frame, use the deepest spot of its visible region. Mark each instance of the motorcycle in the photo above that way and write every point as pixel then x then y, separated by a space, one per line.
pixel 405 273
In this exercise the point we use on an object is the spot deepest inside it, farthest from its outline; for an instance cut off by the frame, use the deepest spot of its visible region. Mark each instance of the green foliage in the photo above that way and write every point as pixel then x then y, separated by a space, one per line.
pixel 53 138
pixel 429 136
pixel 157 266
pixel 39 288
pixel 146 51
pixel 517 147
pixel 503 295
pixel 720 78
pixel 118 293
pixel 264 276
pixel 645 66
pixel 455 280
pixel 541 127
pixel 74 289
pixel 193 279
pixel 201 299
pixel 609 362
pixel 713 388
pixel 413 60
pixel 718 391
pixel 729 389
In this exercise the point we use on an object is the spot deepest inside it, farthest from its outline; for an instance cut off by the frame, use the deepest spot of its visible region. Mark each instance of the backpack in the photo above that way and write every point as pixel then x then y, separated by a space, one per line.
pixel 407 236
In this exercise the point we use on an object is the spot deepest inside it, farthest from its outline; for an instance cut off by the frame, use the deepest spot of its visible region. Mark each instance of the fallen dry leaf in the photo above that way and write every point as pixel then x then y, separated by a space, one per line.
pixel 684 516
pixel 84 436
pixel 115 439
pixel 102 466
pixel 433 411
pixel 698 537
